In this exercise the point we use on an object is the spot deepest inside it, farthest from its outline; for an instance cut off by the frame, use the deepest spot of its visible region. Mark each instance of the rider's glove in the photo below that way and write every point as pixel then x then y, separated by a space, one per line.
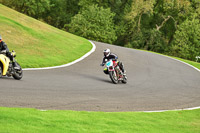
pixel 101 64
pixel 9 54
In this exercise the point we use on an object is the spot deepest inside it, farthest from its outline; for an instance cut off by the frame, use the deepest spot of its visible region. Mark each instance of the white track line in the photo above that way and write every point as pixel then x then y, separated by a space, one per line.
pixel 69 64
pixel 172 110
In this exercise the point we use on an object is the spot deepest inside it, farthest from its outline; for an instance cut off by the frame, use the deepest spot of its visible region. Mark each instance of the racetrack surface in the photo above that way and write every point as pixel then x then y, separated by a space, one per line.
pixel 154 83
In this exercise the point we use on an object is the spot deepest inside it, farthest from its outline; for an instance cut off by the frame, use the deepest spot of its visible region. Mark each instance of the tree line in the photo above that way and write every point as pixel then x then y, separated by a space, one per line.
pixel 166 26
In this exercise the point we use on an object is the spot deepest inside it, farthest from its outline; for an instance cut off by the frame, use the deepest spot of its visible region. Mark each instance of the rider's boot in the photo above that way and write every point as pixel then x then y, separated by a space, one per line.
pixel 105 71
pixel 124 72
pixel 122 68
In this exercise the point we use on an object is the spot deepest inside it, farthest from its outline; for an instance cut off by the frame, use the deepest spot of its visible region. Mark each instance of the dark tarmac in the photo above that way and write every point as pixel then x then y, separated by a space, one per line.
pixel 154 83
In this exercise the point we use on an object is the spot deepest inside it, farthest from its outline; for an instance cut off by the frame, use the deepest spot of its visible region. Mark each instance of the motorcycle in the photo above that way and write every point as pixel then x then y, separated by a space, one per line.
pixel 6 66
pixel 115 72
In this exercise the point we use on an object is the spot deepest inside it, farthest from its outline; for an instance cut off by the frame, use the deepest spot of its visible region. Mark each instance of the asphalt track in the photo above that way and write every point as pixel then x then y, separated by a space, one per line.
pixel 154 83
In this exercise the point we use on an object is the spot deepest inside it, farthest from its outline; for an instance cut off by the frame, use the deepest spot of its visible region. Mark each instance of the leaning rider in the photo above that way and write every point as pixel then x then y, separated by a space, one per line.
pixel 3 46
pixel 110 56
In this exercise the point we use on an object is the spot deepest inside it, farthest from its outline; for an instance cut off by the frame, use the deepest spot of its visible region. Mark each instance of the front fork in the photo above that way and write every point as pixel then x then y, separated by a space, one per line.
pixel 117 72
pixel 10 69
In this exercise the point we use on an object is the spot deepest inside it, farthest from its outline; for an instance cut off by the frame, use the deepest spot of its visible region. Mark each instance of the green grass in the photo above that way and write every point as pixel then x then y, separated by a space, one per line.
pixel 38 44
pixel 16 120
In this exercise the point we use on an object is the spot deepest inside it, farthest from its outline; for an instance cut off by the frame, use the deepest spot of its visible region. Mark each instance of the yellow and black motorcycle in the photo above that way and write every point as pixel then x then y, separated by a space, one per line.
pixel 6 66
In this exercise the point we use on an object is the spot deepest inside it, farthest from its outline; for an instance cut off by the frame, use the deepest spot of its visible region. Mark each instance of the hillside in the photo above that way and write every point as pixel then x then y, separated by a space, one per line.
pixel 38 44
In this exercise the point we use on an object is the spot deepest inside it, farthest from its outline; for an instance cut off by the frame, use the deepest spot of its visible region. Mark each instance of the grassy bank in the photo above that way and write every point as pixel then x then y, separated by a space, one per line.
pixel 15 120
pixel 38 44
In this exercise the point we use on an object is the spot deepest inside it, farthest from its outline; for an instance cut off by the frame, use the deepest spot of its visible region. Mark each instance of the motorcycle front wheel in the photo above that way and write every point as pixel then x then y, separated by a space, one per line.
pixel 113 77
pixel 18 74
pixel 1 71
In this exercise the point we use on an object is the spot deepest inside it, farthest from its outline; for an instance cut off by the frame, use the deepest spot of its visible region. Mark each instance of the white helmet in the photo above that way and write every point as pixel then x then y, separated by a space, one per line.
pixel 106 52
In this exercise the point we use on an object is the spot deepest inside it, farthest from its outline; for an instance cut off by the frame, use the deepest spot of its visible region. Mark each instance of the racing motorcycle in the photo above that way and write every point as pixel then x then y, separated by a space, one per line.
pixel 6 66
pixel 115 72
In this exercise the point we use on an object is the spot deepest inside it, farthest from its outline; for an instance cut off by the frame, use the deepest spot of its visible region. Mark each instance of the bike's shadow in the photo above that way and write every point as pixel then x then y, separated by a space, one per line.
pixel 96 78
pixel 7 78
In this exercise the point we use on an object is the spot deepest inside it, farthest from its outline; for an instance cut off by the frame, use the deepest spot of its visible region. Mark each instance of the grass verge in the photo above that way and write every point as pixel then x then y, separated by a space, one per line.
pixel 38 44
pixel 16 120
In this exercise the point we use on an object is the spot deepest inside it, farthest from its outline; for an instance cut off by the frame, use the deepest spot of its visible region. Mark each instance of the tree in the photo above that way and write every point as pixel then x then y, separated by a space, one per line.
pixel 168 14
pixel 61 12
pixel 33 8
pixel 140 7
pixel 139 33
pixel 187 40
pixel 95 23
pixel 120 8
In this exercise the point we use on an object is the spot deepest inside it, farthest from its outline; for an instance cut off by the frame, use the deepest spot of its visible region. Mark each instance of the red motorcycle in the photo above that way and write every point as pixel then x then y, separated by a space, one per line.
pixel 115 72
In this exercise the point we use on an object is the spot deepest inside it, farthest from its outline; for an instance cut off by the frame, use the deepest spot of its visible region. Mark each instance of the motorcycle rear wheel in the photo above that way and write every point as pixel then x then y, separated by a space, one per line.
pixel 113 77
pixel 124 80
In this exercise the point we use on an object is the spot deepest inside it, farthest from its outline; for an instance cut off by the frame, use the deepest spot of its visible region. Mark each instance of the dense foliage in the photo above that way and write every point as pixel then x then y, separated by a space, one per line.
pixel 165 26
pixel 94 23
pixel 187 39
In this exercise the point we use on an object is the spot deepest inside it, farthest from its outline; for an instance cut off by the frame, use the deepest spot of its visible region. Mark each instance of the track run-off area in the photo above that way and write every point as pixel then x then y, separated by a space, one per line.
pixel 155 82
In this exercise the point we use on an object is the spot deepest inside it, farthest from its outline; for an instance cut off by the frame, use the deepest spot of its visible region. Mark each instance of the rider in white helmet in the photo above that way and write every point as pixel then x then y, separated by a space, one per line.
pixel 108 56
pixel 106 53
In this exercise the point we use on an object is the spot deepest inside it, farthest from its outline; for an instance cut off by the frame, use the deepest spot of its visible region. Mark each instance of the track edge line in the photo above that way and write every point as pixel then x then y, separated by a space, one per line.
pixel 68 64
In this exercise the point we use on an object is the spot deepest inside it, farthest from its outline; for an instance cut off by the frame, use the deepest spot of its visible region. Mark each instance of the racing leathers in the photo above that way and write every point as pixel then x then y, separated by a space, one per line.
pixel 3 46
pixel 114 57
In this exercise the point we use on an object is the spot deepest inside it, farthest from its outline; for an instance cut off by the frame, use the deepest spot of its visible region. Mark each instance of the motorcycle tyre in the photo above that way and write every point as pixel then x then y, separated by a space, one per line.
pixel 1 71
pixel 16 75
pixel 112 78
pixel 124 80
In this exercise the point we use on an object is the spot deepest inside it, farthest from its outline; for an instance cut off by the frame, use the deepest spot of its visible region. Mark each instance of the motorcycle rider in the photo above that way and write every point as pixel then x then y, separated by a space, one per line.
pixel 3 46
pixel 108 56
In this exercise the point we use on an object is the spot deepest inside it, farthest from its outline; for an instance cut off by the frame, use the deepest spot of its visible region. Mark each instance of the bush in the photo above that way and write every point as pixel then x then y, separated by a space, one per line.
pixel 187 40
pixel 149 40
pixel 94 23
